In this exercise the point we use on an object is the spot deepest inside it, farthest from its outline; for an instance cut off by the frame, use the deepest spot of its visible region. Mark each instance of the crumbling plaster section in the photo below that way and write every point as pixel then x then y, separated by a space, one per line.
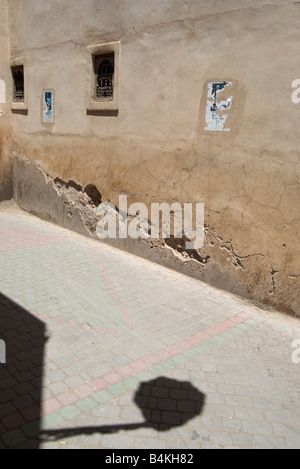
pixel 258 275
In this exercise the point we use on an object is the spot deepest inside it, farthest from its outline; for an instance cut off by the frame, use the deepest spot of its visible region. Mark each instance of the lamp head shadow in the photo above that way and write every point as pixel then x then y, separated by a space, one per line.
pixel 167 403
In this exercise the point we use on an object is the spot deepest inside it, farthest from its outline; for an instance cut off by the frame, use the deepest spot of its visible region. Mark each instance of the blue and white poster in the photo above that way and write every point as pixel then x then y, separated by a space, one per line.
pixel 48 107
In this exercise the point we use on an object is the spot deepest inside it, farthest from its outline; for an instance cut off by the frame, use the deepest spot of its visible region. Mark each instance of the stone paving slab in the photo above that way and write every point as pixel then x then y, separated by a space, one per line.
pixel 107 350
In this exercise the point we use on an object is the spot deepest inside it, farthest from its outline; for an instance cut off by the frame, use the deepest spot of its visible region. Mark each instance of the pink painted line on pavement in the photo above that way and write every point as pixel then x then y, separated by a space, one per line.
pixel 50 406
pixel 114 294
pixel 98 384
pixel 72 323
pixel 67 398
pixel 144 363
pixel 12 239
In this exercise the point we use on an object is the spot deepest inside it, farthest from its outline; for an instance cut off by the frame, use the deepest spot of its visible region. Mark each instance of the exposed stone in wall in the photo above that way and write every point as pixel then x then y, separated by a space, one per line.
pixel 52 199
pixel 255 275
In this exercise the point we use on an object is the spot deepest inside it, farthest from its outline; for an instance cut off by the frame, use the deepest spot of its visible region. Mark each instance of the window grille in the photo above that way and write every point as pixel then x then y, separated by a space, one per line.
pixel 105 79
pixel 18 84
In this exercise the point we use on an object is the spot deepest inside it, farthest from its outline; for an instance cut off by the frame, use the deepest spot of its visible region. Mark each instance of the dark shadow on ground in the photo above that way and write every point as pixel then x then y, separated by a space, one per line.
pixel 165 403
pixel 22 338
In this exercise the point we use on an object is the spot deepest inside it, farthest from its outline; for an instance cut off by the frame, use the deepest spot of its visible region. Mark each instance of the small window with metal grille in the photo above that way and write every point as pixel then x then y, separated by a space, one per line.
pixel 104 81
pixel 104 89
pixel 18 84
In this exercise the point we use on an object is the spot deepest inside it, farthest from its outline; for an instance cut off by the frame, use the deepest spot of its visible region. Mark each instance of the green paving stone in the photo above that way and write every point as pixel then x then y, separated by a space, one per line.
pixel 131 383
pixel 251 323
pixel 228 334
pixel 258 319
pixel 239 331
pixel 219 339
pixel 235 331
pixel 116 389
pixel 158 370
pixel 243 327
pixel 192 353
pixel 167 365
pixel 14 438
pixel 67 316
pixel 69 412
pixel 202 348
pixel 143 376
pixel 51 420
pixel 212 342
pixel 79 320
pixel 87 404
pixel 55 314
pixel 179 359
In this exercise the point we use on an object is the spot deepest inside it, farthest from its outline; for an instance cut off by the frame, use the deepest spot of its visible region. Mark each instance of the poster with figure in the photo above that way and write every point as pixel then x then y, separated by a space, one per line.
pixel 48 107
pixel 215 118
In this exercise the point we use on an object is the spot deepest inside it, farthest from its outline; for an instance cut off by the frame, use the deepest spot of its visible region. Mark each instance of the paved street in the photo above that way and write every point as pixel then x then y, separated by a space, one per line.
pixel 107 350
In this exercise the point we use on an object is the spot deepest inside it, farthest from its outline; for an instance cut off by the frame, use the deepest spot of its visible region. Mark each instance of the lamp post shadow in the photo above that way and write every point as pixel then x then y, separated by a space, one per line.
pixel 165 404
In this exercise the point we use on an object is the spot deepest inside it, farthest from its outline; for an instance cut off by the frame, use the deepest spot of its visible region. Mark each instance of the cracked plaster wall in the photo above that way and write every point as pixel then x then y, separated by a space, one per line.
pixel 155 148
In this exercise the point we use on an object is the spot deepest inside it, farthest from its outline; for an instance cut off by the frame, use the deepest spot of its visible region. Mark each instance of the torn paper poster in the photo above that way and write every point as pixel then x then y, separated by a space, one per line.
pixel 214 120
pixel 48 107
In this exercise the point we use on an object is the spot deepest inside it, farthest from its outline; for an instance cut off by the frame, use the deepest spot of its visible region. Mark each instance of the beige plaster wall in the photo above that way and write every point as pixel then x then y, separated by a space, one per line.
pixel 155 148
pixel 5 112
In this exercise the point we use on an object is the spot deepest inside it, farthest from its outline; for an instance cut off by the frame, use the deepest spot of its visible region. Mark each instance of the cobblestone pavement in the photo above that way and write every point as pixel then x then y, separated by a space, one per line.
pixel 107 350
